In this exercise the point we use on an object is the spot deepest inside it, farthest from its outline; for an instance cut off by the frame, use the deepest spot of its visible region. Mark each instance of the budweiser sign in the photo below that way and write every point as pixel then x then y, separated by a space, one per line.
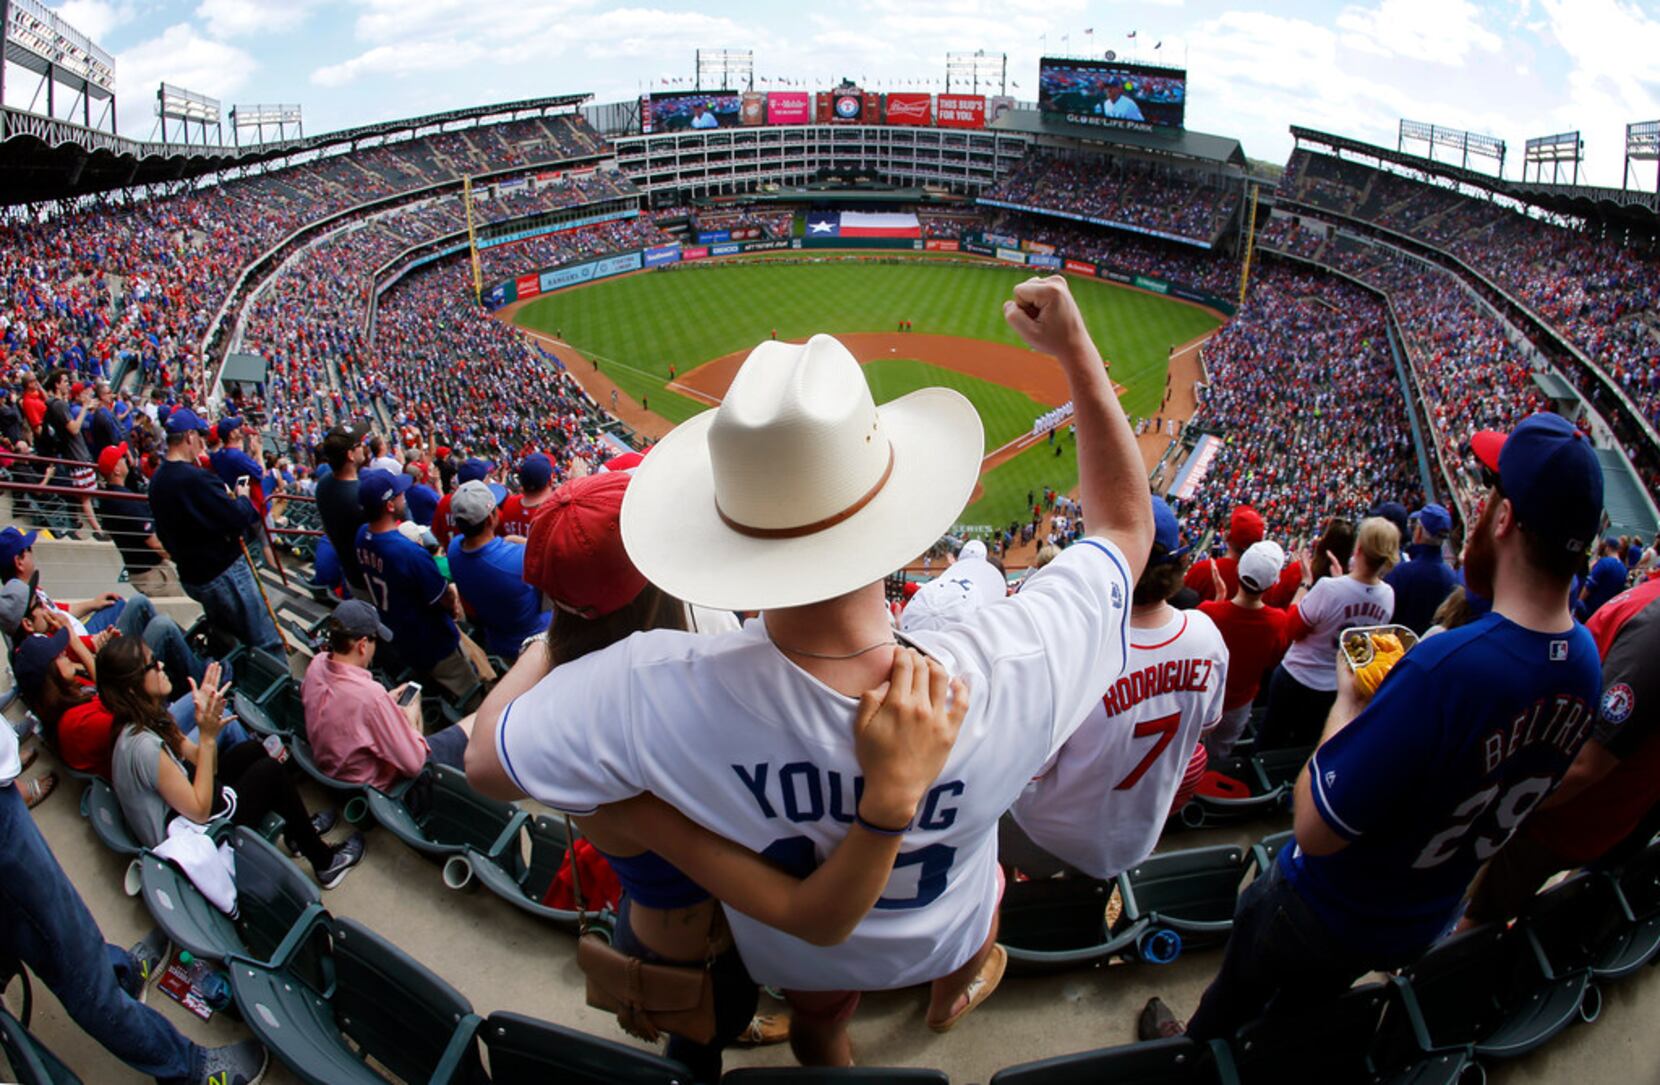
pixel 910 109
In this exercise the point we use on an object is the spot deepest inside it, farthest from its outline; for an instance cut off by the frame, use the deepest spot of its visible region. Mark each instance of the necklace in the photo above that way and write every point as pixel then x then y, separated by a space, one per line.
pixel 834 655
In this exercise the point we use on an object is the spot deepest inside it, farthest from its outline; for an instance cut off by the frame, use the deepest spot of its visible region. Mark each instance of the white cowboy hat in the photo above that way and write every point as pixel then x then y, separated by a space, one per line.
pixel 798 488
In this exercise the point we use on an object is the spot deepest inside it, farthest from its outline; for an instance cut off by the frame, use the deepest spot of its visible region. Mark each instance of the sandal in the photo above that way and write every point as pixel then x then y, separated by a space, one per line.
pixel 36 790
pixel 979 989
pixel 765 1029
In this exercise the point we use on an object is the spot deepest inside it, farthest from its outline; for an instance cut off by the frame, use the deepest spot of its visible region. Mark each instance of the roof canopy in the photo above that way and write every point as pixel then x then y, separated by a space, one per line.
pixel 1177 142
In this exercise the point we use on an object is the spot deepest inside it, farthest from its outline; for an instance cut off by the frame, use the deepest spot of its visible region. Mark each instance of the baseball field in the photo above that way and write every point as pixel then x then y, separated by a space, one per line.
pixel 702 320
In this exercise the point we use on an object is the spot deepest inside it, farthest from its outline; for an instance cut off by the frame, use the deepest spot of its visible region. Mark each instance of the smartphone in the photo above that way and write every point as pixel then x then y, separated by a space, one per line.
pixel 409 694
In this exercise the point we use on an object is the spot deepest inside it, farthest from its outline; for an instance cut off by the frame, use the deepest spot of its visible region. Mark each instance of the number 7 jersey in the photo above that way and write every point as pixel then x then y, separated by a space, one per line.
pixel 1102 800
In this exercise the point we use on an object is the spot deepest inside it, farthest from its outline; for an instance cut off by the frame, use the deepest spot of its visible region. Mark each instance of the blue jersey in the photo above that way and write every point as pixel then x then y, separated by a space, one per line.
pixel 405 586
pixel 491 581
pixel 1607 580
pixel 1469 732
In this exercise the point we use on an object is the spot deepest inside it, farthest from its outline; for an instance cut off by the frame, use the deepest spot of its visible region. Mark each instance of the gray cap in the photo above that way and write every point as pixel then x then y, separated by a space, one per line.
pixel 14 603
pixel 359 619
pixel 472 504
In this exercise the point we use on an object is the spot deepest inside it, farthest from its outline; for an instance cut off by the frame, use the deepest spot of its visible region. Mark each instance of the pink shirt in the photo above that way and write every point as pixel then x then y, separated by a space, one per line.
pixel 357 731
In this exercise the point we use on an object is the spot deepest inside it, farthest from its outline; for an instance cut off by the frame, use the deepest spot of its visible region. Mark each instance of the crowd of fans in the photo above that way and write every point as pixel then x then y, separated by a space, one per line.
pixel 550 250
pixel 534 196
pixel 949 225
pixel 1171 261
pixel 745 223
pixel 1110 189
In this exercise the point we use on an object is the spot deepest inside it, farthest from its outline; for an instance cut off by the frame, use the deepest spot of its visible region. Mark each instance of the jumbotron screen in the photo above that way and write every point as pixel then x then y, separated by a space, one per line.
pixel 695 112
pixel 1112 93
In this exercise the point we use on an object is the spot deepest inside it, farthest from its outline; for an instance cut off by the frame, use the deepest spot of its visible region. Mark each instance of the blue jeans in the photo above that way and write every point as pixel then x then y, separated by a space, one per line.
pixel 232 602
pixel 45 925
pixel 1280 958
pixel 137 617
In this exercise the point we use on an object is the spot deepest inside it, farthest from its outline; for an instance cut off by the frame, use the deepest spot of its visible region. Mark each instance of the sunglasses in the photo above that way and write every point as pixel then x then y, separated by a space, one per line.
pixel 155 665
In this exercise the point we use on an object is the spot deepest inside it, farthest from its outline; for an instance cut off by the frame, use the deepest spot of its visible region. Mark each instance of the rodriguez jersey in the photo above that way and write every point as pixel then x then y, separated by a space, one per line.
pixel 1101 802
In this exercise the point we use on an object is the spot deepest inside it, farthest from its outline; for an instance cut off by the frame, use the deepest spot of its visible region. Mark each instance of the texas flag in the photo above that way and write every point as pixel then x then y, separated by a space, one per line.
pixel 862 224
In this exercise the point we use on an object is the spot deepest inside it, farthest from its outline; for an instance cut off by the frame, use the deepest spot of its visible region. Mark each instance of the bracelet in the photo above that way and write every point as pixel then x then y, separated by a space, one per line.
pixel 859 820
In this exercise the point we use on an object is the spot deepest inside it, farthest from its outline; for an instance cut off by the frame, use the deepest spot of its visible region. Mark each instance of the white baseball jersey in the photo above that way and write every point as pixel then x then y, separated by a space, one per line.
pixel 1102 801
pixel 1334 604
pixel 743 741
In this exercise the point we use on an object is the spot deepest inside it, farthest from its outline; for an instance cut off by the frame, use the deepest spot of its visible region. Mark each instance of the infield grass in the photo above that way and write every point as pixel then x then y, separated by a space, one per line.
pixel 639 325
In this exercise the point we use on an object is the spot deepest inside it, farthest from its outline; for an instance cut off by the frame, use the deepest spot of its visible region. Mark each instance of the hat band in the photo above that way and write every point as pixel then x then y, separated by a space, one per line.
pixel 817 525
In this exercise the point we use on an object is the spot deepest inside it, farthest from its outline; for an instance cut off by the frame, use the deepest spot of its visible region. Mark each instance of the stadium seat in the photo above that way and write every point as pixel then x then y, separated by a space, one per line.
pixel 273 897
pixel 299 748
pixel 1264 851
pixel 1572 925
pixel 1638 885
pixel 100 806
pixel 1051 924
pixel 1176 1061
pixel 526 1051
pixel 31 1062
pixel 523 881
pixel 438 815
pixel 370 1000
pixel 258 673
pixel 821 1075
pixel 1336 1043
pixel 256 717
pixel 1190 892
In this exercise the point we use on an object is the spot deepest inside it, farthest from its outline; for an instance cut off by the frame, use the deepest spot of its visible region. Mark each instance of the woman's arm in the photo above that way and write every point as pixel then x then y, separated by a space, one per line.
pixel 903 735
pixel 193 798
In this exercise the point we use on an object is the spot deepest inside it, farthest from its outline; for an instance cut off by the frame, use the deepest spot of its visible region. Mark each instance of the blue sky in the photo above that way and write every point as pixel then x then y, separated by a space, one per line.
pixel 1513 70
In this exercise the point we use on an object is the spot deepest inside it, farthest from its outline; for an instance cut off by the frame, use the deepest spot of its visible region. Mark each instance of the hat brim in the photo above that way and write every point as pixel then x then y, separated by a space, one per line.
pixel 1487 444
pixel 678 541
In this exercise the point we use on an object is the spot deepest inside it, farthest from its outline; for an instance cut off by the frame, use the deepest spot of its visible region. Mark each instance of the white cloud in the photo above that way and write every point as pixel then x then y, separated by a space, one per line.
pixel 95 18
pixel 1438 31
pixel 1614 53
pixel 241 18
pixel 182 56
pixel 405 58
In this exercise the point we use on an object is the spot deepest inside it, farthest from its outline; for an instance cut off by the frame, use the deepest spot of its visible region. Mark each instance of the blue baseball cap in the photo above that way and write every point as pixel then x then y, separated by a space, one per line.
pixel 536 472
pixel 1166 532
pixel 12 543
pixel 473 471
pixel 1395 513
pixel 33 659
pixel 1435 519
pixel 184 420
pixel 376 487
pixel 1549 471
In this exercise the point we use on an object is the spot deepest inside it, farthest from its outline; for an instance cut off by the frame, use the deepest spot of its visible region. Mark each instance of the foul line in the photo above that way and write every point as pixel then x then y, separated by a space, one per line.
pixel 589 355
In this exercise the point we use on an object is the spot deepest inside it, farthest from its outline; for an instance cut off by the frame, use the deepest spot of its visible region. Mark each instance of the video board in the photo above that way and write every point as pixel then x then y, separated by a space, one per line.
pixel 683 112
pixel 1112 93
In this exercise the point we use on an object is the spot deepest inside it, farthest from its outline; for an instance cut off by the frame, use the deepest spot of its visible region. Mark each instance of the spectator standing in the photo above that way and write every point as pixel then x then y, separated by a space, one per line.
pixel 1422 582
pixel 1406 794
pixel 422 500
pixel 1245 529
pixel 488 571
pixel 536 486
pixel 129 523
pixel 414 599
pixel 1255 635
pixel 201 524
pixel 62 429
pixel 1607 580
pixel 337 503
pixel 474 470
pixel 357 730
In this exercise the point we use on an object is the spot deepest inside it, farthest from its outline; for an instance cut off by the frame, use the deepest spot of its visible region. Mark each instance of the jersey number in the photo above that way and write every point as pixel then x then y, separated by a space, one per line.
pixel 1165 728
pixel 379 593
pixel 1516 804
pixel 797 855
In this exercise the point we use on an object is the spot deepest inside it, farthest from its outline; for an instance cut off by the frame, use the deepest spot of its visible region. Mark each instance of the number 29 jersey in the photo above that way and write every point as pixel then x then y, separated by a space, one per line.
pixel 1470 731
pixel 1102 800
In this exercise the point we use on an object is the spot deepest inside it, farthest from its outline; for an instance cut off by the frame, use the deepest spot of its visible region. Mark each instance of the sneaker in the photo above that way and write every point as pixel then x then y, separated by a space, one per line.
pixel 1157 1022
pixel 346 856
pixel 148 955
pixel 764 1029
pixel 321 822
pixel 234 1064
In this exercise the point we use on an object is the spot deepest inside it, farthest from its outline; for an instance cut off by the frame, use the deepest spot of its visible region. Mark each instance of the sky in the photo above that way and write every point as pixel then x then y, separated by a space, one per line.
pixel 1512 70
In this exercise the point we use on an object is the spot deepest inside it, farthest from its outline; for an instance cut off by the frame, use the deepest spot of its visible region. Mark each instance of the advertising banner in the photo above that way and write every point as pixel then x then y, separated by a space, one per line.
pixel 662 254
pixel 843 106
pixel 789 107
pixel 500 294
pixel 1038 259
pixel 1038 246
pixel 1083 267
pixel 765 246
pixel 538 231
pixel 1001 239
pixel 709 237
pixel 753 108
pixel 961 111
pixel 561 277
pixel 616 265
pixel 977 248
pixel 937 245
pixel 997 106
pixel 695 252
pixel 1115 276
pixel 526 287
pixel 910 109
pixel 1157 286
pixel 729 249
pixel 1012 256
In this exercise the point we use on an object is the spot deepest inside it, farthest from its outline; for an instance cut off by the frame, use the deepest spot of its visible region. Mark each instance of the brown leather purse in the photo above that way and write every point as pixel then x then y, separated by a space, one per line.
pixel 648 998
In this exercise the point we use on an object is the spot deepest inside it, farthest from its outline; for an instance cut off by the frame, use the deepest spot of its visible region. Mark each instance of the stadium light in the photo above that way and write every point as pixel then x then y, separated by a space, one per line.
pixel 1456 139
pixel 971 71
pixel 186 107
pixel 1642 144
pixel 38 41
pixel 1553 151
pixel 280 117
pixel 725 69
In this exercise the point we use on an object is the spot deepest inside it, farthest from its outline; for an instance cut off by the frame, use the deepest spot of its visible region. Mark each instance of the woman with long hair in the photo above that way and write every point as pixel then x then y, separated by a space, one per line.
pixel 159 773
pixel 1305 683
pixel 674 873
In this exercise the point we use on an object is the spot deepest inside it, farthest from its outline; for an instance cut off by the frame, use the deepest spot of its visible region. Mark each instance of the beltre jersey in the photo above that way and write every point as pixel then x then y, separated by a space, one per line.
pixel 730 731
pixel 1102 801
pixel 1466 735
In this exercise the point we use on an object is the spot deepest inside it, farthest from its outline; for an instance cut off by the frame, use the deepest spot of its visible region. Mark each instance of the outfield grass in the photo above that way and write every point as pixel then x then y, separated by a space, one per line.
pixel 641 324
pixel 1005 413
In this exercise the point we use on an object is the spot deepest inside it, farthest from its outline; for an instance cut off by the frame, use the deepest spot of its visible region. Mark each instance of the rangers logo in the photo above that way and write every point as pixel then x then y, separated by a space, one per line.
pixel 1618 702
pixel 848 106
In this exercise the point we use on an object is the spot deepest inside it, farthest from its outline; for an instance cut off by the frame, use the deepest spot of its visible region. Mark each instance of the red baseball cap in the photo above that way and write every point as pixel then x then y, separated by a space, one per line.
pixel 575 553
pixel 108 458
pixel 1245 528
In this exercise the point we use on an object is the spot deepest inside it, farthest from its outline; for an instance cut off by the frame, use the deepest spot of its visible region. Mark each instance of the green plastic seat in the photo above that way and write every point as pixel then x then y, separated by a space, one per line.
pixel 1176 1061
pixel 1056 923
pixel 1638 887
pixel 256 717
pixel 526 1051
pixel 1191 892
pixel 259 673
pixel 299 748
pixel 32 1062
pixel 439 815
pixel 833 1075
pixel 523 881
pixel 100 807
pixel 1264 851
pixel 1337 1042
pixel 274 897
pixel 370 1001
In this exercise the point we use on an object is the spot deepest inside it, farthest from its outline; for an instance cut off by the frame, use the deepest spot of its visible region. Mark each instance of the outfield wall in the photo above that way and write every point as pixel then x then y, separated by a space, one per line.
pixel 1002 248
